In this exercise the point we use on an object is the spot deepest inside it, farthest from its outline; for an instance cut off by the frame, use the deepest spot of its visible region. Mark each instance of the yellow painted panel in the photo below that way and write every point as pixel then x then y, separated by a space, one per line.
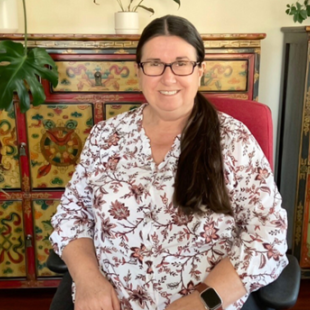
pixel 12 242
pixel 96 76
pixel 43 211
pixel 112 109
pixel 56 135
pixel 9 158
pixel 225 75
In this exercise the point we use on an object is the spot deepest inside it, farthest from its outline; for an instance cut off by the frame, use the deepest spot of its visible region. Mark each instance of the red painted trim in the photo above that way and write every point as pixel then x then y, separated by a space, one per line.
pixel 24 160
pixel 46 195
pixel 18 283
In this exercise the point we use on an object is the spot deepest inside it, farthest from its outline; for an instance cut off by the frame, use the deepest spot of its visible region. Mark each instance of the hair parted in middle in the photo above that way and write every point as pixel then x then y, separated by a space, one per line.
pixel 199 180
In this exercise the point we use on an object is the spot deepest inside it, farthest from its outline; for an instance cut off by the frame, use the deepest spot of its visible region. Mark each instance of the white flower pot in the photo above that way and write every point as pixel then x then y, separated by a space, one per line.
pixel 8 16
pixel 126 23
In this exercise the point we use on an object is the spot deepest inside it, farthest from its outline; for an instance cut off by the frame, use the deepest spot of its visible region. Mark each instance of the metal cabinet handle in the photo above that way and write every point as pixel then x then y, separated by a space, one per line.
pixel 28 241
pixel 22 149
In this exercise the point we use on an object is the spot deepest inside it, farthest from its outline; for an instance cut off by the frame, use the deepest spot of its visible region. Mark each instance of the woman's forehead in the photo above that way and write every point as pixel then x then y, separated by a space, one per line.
pixel 163 46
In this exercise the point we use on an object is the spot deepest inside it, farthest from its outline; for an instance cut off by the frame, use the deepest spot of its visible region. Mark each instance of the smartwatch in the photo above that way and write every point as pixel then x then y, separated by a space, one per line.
pixel 209 297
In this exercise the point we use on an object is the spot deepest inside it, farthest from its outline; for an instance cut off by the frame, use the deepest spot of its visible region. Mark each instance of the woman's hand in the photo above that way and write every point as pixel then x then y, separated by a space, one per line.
pixel 95 293
pixel 189 302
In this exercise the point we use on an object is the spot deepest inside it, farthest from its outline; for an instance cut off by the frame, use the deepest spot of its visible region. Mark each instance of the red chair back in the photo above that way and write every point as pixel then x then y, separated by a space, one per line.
pixel 256 116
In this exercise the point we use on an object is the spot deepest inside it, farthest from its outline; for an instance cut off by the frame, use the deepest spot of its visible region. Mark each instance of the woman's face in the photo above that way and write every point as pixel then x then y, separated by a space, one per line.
pixel 170 95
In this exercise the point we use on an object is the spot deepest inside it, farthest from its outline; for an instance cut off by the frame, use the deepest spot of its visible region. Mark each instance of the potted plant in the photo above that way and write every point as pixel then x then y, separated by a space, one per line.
pixel 299 11
pixel 127 20
pixel 21 70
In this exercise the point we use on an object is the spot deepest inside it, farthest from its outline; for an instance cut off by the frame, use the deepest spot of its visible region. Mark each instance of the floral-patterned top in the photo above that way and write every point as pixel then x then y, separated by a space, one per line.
pixel 121 199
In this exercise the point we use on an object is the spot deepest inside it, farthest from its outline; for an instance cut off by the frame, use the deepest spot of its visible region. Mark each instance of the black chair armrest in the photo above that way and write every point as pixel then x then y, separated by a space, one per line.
pixel 283 292
pixel 55 263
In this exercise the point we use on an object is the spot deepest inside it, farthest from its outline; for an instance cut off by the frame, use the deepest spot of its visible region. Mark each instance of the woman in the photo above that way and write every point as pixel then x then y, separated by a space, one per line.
pixel 173 205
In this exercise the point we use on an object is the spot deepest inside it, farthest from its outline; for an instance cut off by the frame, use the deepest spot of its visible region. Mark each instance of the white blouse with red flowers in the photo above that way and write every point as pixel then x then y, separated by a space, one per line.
pixel 121 199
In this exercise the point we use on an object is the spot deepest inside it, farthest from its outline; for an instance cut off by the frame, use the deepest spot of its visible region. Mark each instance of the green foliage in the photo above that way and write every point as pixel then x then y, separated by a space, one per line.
pixel 133 5
pixel 21 72
pixel 299 11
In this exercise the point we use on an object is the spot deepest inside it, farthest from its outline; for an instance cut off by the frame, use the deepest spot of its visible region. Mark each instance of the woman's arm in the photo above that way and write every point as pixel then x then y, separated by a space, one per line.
pixel 93 290
pixel 257 255
pixel 72 237
pixel 224 279
pixel 74 218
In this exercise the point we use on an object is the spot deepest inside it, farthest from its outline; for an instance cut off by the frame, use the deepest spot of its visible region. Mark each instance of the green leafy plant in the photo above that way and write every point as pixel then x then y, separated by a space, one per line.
pixel 21 70
pixel 133 5
pixel 299 11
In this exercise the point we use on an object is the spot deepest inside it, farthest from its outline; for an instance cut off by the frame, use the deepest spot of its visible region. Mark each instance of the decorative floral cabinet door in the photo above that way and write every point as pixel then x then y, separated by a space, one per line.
pixel 39 149
pixel 12 240
pixel 9 157
pixel 43 210
pixel 56 135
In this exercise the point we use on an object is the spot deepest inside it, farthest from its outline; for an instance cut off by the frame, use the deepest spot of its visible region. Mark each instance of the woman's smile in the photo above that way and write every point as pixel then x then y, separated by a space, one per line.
pixel 169 92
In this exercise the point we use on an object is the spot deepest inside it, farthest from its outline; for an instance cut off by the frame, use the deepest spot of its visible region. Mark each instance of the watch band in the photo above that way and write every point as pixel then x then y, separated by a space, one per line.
pixel 201 287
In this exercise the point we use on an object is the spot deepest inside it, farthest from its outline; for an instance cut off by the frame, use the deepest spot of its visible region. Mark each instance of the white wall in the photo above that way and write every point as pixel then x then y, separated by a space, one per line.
pixel 209 16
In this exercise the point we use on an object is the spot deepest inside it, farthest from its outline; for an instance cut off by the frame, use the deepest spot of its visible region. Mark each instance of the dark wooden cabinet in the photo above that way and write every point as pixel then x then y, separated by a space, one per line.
pixel 39 149
pixel 293 147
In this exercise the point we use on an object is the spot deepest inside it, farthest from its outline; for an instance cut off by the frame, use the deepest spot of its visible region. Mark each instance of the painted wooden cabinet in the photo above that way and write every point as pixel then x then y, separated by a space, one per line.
pixel 39 149
pixel 293 147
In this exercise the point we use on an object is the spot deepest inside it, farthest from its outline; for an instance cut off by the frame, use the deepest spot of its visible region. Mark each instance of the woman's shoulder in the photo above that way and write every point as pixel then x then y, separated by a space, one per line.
pixel 227 121
pixel 234 132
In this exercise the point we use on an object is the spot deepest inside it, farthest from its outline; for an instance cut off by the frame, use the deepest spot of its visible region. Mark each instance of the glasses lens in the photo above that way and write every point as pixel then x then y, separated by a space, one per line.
pixel 183 67
pixel 153 68
pixel 178 68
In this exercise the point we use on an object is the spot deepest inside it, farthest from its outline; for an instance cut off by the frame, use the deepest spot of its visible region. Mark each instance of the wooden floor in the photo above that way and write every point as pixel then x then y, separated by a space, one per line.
pixel 40 299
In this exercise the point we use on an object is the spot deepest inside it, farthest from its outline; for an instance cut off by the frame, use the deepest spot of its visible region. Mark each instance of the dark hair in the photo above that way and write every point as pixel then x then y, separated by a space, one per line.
pixel 199 178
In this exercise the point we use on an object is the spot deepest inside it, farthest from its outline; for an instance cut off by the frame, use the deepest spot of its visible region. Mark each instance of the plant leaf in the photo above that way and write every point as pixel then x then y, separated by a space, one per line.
pixel 178 2
pixel 147 9
pixel 303 14
pixel 298 5
pixel 18 72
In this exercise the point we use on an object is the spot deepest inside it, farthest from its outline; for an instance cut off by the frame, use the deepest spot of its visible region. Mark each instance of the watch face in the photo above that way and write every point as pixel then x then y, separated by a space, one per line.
pixel 211 299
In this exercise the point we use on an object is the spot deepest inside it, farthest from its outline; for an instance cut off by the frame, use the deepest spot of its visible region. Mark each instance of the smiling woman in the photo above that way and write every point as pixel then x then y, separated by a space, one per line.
pixel 163 208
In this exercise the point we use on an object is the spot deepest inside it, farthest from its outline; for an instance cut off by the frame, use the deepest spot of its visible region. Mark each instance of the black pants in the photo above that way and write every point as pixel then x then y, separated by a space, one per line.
pixel 63 301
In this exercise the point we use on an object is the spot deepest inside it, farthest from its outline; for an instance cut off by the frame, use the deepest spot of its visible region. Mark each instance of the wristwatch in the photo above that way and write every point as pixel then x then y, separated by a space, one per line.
pixel 209 297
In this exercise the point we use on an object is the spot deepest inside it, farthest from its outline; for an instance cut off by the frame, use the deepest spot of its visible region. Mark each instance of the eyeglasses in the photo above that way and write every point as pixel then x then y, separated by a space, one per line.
pixel 156 68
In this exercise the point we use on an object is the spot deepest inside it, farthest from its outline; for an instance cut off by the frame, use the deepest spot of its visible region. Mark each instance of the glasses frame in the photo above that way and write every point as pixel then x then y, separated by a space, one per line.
pixel 194 64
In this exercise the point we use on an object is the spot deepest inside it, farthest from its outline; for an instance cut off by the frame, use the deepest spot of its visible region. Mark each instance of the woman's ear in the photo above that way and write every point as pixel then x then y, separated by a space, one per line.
pixel 201 70
pixel 137 71
pixel 138 74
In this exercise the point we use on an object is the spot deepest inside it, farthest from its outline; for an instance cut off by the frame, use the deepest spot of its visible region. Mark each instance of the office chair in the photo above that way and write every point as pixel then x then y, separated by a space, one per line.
pixel 283 292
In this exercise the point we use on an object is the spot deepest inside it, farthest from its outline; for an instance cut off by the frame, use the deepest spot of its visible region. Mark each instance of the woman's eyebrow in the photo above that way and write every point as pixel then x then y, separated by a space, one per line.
pixel 153 59
pixel 158 59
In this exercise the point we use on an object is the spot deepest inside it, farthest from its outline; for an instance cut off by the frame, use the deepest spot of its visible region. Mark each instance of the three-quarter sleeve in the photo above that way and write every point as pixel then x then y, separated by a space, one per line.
pixel 74 217
pixel 258 251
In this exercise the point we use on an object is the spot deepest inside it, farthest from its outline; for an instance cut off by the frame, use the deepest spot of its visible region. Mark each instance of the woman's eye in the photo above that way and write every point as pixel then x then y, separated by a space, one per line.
pixel 182 63
pixel 155 64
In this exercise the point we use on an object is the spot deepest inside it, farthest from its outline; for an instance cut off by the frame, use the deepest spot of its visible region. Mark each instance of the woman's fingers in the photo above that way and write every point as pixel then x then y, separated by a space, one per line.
pixel 115 302
pixel 96 296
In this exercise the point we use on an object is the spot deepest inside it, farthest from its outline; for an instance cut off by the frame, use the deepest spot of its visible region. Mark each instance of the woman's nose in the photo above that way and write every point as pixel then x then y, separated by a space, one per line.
pixel 168 76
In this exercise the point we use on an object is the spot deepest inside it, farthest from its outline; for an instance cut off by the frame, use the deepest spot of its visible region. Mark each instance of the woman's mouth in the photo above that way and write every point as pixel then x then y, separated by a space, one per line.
pixel 169 92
